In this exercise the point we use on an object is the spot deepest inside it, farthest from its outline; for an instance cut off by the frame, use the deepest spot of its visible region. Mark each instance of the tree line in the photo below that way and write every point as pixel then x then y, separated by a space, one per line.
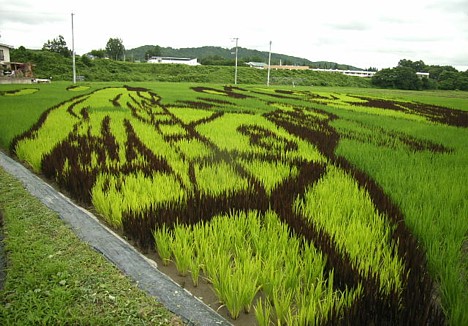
pixel 114 48
pixel 403 76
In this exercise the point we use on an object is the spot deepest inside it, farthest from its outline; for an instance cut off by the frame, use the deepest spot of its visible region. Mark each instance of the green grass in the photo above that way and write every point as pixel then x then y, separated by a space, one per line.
pixel 54 278
pixel 19 113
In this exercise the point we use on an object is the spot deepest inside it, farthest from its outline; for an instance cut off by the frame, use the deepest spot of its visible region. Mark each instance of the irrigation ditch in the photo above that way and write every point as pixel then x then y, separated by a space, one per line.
pixel 119 252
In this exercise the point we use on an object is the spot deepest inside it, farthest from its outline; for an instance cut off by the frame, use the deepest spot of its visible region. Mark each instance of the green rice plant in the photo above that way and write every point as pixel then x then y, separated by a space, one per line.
pixel 436 211
pixel 56 127
pixel 19 92
pixel 195 269
pixel 101 99
pixel 263 312
pixel 314 312
pixel 113 195
pixel 107 203
pixel 241 265
pixel 201 247
pixel 270 174
pixel 192 149
pixel 117 129
pixel 80 88
pixel 237 286
pixel 219 178
pixel 223 132
pixel 217 157
pixel 355 225
pixel 182 249
pixel 163 238
pixel 172 130
pixel 282 301
pixel 249 274
pixel 155 142
pixel 189 115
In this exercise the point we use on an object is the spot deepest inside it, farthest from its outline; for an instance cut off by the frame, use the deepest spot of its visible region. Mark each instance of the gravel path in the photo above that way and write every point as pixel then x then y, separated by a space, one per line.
pixel 115 249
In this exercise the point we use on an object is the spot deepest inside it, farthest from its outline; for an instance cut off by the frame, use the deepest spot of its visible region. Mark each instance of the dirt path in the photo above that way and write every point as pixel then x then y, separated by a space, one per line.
pixel 116 250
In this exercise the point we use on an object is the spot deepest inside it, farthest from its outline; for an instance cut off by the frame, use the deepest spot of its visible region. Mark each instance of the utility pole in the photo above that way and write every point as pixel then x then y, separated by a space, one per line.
pixel 73 50
pixel 269 64
pixel 235 71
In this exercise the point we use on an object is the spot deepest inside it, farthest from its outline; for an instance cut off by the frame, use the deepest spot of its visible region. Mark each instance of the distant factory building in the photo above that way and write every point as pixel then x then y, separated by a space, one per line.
pixel 174 60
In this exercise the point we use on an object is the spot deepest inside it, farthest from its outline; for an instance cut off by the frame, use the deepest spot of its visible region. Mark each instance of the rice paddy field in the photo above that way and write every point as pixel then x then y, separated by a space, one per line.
pixel 299 206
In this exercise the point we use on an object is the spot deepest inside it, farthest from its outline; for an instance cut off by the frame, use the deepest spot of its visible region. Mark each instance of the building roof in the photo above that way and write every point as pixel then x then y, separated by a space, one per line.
pixel 6 46
pixel 171 58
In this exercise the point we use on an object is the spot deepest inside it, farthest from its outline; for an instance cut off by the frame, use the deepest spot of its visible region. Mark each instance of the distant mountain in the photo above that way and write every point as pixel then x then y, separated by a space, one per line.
pixel 214 55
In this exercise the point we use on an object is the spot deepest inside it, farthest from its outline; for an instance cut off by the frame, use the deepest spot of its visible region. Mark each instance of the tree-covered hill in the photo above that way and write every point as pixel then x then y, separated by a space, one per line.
pixel 214 55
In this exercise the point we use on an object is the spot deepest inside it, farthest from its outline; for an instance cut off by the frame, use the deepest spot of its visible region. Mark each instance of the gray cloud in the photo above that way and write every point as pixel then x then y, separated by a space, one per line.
pixel 23 14
pixel 352 25
pixel 410 38
pixel 448 6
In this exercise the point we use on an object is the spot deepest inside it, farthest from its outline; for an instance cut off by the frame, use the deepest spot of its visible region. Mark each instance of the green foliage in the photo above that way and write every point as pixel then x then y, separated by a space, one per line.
pixel 152 52
pixel 401 77
pixel 115 48
pixel 58 45
pixel 100 54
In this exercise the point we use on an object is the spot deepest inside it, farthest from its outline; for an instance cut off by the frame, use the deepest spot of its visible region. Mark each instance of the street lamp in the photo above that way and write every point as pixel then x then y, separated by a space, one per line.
pixel 73 51
pixel 235 71
pixel 269 64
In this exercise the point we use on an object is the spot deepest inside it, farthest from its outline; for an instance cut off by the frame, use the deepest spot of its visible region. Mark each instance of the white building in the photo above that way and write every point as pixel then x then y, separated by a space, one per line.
pixel 4 57
pixel 258 65
pixel 422 74
pixel 358 73
pixel 363 73
pixel 5 53
pixel 174 60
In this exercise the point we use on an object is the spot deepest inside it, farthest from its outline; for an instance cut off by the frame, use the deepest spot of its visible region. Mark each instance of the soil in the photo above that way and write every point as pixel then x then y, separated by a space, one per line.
pixel 204 291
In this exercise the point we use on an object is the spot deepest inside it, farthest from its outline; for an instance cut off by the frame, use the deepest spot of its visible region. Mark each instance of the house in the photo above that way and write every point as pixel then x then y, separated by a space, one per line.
pixel 356 73
pixel 363 73
pixel 262 65
pixel 4 58
pixel 258 65
pixel 14 72
pixel 288 67
pixel 174 60
pixel 422 75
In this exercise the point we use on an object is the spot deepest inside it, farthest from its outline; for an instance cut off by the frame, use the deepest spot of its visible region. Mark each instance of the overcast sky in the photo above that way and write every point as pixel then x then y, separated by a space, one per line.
pixel 362 33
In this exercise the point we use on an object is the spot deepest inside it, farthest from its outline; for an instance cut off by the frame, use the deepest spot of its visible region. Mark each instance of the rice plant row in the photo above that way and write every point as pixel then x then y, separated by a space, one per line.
pixel 258 203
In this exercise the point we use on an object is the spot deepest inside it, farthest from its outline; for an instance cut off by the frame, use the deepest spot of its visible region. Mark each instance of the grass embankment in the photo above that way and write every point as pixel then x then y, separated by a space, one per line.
pixel 53 65
pixel 54 278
